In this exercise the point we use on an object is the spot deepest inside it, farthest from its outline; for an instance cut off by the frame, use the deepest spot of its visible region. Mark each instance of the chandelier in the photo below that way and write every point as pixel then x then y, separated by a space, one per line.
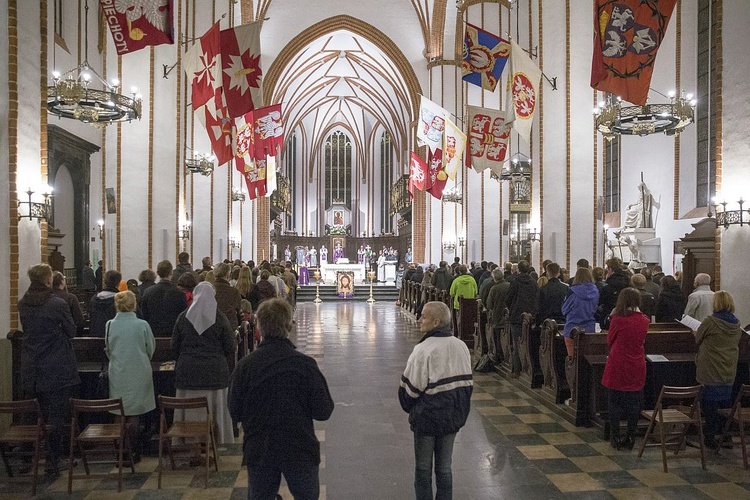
pixel 726 218
pixel 200 164
pixel 519 167
pixel 237 194
pixel 82 94
pixel 612 118
pixel 452 195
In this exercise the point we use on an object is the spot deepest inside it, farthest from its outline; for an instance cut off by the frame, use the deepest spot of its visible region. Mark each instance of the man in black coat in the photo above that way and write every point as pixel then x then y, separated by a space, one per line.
pixel 551 296
pixel 48 363
pixel 183 266
pixel 618 278
pixel 102 305
pixel 442 278
pixel 163 302
pixel 521 298
pixel 277 392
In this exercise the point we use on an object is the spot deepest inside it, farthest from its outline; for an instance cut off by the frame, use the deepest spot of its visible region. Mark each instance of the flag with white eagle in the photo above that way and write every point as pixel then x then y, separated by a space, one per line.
pixel 523 94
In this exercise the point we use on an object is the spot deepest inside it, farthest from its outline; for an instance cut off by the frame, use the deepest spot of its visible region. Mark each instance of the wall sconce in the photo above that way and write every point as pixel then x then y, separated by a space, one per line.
pixel 534 235
pixel 34 209
pixel 461 241
pixel 238 195
pixel 184 233
pixel 449 246
pixel 727 218
pixel 100 223
pixel 235 242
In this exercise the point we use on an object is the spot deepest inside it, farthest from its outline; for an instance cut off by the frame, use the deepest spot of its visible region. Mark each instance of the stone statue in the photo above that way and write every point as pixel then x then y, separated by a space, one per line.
pixel 639 214
pixel 636 256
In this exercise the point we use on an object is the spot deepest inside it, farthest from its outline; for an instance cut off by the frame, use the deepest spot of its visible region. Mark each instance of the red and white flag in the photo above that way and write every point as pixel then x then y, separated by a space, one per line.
pixel 488 139
pixel 135 24
pixel 203 67
pixel 219 127
pixel 523 97
pixel 418 173
pixel 431 124
pixel 269 131
pixel 453 148
pixel 240 64
pixel 438 178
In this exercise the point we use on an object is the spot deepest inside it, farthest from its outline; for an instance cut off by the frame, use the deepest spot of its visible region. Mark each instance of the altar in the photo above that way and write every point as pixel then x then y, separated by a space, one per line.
pixel 328 271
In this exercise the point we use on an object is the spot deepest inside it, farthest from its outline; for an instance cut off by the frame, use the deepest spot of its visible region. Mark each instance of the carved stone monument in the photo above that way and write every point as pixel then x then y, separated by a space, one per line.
pixel 636 242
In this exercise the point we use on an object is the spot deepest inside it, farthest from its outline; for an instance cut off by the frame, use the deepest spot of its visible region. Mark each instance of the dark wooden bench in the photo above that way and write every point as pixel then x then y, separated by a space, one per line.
pixel 531 371
pixel 552 354
pixel 468 316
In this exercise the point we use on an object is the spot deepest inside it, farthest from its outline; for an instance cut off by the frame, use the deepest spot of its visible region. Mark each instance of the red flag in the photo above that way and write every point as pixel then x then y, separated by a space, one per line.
pixel 219 128
pixel 437 177
pixel 252 169
pixel 241 73
pixel 418 173
pixel 627 34
pixel 268 131
pixel 203 67
pixel 136 24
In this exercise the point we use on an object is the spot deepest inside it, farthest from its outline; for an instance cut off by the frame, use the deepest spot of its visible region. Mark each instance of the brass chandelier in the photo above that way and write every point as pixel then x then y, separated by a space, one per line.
pixel 612 118
pixel 82 94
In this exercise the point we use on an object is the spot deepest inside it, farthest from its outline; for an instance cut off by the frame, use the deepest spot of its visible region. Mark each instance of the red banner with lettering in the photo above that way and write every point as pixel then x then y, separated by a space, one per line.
pixel 135 24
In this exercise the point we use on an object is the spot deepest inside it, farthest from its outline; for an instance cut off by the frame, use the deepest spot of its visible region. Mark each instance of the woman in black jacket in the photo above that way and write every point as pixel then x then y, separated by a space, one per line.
pixel 670 304
pixel 202 342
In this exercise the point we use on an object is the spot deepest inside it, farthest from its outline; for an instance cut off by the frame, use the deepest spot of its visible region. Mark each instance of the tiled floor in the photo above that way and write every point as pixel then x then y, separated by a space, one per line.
pixel 512 447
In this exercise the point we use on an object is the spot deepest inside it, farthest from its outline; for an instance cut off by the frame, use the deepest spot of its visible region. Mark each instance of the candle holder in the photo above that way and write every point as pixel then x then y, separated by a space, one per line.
pixel 371 275
pixel 316 275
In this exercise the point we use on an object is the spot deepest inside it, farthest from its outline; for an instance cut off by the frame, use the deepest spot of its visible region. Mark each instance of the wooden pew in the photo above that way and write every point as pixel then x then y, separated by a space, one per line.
pixel 531 372
pixel 468 315
pixel 552 354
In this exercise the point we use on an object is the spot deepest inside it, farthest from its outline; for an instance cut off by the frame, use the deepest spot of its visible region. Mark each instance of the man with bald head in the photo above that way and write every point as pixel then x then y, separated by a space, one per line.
pixel 436 391
pixel 700 303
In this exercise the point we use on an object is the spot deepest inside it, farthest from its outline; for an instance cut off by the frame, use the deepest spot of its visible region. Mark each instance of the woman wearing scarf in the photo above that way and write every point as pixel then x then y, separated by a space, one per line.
pixel 202 342
pixel 718 340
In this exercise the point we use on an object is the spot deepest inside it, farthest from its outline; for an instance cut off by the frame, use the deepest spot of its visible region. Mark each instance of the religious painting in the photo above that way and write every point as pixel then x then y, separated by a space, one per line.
pixel 338 217
pixel 111 201
pixel 345 284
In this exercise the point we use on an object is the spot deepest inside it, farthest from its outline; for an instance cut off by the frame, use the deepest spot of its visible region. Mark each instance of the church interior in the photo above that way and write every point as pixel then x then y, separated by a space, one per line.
pixel 582 175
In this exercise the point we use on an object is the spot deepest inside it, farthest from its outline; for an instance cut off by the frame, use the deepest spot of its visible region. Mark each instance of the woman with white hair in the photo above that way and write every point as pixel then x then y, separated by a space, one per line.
pixel 202 342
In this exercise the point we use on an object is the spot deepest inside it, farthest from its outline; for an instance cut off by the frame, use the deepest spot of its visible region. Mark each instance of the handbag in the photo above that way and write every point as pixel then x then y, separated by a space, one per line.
pixel 101 390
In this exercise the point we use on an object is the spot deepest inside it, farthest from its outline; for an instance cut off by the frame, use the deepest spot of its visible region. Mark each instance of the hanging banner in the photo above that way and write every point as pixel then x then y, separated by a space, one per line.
pixel 484 57
pixel 135 24
pixel 431 124
pixel 523 95
pixel 488 139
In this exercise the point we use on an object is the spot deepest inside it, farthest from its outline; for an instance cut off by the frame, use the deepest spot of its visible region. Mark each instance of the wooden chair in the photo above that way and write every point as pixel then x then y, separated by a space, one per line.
pixel 674 422
pixel 99 434
pixel 19 434
pixel 739 415
pixel 201 431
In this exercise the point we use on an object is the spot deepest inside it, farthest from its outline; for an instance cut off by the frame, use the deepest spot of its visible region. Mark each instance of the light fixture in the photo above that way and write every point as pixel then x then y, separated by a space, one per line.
pixel 82 94
pixel 184 233
pixel 238 195
pixel 235 242
pixel 200 164
pixel 449 246
pixel 728 218
pixel 100 223
pixel 612 118
pixel 534 235
pixel 461 241
pixel 34 209
pixel 519 167
pixel 452 195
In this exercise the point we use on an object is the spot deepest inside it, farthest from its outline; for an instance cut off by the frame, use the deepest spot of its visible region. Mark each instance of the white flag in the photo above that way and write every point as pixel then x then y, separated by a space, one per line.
pixel 523 95
pixel 453 148
pixel 488 139
pixel 431 124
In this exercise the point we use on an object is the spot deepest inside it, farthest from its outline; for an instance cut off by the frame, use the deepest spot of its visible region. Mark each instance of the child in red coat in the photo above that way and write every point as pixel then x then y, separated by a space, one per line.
pixel 625 371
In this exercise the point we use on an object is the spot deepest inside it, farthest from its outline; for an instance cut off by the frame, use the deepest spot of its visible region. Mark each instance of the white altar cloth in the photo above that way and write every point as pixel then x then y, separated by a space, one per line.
pixel 328 271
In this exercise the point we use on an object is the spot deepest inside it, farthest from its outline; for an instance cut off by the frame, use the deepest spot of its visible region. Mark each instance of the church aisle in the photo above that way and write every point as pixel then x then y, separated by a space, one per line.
pixel 511 447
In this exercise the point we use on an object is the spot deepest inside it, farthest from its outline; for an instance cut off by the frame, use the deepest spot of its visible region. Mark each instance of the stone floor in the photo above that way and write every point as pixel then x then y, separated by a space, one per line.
pixel 512 447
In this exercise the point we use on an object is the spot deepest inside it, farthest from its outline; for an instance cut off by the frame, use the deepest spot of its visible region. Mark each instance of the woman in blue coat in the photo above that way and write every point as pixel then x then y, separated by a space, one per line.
pixel 580 306
pixel 129 344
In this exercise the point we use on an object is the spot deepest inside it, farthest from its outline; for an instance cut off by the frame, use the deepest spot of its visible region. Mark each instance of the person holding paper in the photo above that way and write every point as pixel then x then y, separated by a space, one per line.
pixel 625 371
pixel 718 340
pixel 700 302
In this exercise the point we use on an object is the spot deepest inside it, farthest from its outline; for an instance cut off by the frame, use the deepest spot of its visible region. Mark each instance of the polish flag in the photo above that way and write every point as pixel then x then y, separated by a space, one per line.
pixel 252 169
pixel 268 130
pixel 418 174
pixel 219 128
pixel 240 64
pixel 438 178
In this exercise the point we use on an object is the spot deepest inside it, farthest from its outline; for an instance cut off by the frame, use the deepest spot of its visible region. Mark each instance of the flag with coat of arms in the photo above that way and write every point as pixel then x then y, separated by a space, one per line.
pixel 418 173
pixel 454 144
pixel 523 92
pixel 484 57
pixel 431 124
pixel 488 139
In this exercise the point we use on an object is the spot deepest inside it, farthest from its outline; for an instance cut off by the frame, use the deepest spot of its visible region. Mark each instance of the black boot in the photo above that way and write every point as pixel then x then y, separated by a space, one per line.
pixel 614 439
pixel 629 441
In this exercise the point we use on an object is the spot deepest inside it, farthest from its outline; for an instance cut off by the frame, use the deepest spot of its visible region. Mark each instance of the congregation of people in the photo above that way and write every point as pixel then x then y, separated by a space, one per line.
pixel 613 299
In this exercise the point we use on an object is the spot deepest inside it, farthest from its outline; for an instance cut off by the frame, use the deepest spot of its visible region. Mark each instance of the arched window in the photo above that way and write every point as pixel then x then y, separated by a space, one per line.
pixel 338 165
pixel 290 170
pixel 386 173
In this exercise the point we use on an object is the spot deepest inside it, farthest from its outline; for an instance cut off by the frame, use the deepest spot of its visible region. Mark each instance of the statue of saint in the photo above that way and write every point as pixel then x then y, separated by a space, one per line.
pixel 639 214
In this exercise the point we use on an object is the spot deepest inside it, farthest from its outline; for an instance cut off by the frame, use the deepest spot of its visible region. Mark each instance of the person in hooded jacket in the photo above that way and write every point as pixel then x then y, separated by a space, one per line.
pixel 442 278
pixel 670 303
pixel 618 278
pixel 183 266
pixel 521 298
pixel 580 306
pixel 202 342
pixel 48 363
pixel 60 289
pixel 102 305
pixel 718 340
pixel 464 286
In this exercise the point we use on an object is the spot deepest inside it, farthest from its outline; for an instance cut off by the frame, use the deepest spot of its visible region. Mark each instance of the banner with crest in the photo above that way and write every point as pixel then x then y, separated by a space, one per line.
pixel 488 139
